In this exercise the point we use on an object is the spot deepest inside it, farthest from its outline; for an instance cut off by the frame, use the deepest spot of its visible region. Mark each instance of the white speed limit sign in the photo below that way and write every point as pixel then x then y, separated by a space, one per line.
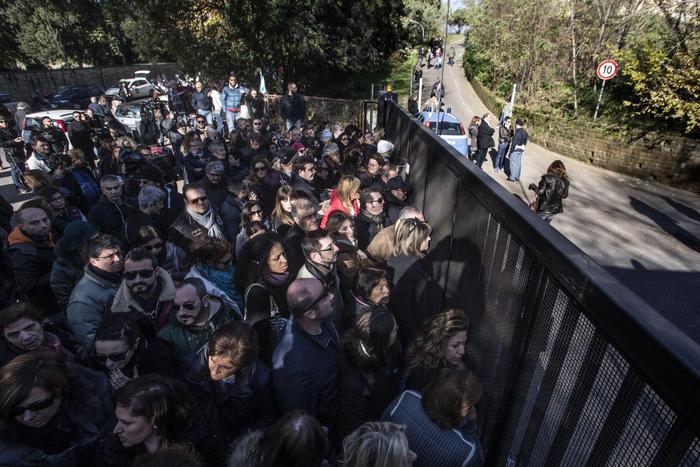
pixel 607 69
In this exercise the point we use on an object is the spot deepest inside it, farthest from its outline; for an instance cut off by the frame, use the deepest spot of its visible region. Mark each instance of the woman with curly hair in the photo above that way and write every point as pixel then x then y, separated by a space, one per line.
pixel 442 345
pixel 551 191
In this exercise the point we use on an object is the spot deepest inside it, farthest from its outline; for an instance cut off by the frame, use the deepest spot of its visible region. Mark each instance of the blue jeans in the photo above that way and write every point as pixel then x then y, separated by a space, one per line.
pixel 219 121
pixel 515 158
pixel 206 114
pixel 502 149
pixel 231 118
pixel 15 173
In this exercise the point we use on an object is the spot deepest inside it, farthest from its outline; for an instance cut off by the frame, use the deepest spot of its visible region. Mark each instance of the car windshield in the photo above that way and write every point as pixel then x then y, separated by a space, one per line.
pixel 447 128
pixel 128 112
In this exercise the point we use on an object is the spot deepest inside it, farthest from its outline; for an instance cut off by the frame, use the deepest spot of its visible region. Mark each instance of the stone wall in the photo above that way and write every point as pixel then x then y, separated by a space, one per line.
pixel 671 160
pixel 24 84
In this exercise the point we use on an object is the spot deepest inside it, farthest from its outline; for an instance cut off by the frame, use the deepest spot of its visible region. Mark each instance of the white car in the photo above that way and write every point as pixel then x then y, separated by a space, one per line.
pixel 61 119
pixel 450 128
pixel 140 86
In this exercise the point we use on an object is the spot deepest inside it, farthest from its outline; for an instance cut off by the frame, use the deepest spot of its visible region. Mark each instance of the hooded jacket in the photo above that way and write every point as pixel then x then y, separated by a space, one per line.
pixel 124 301
pixel 32 263
pixel 65 274
pixel 87 305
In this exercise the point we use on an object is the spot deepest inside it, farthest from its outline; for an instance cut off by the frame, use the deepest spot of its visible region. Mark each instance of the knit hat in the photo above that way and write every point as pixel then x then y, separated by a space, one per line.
pixel 330 148
pixel 296 146
pixel 397 183
pixel 152 173
pixel 384 146
pixel 76 235
pixel 326 135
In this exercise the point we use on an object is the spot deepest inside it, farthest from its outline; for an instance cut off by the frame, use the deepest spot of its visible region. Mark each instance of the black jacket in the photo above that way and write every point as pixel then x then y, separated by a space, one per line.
pixel 80 137
pixel 110 218
pixel 366 388
pixel 301 185
pixel 393 206
pixel 231 214
pixel 293 107
pixel 200 100
pixel 485 137
pixel 256 106
pixel 243 401
pixel 57 140
pixel 292 246
pixel 32 262
pixel 148 131
pixel 305 372
pixel 551 191
pixel 152 356
pixel 410 295
pixel 367 226
pixel 185 230
pixel 7 142
pixel 72 436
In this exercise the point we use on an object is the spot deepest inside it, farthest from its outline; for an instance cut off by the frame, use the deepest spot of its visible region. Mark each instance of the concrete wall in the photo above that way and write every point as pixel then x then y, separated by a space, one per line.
pixel 671 160
pixel 23 84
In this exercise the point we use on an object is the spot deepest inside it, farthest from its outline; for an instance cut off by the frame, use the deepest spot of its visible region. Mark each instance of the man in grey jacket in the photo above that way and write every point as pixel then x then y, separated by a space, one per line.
pixel 88 302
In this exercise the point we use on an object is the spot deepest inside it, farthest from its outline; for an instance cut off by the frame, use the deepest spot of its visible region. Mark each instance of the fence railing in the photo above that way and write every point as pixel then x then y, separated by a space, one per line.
pixel 577 370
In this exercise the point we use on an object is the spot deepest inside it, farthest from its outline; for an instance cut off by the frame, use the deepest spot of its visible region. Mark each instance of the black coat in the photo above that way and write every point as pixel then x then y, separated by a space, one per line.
pixel 293 107
pixel 56 138
pixel 72 436
pixel 366 388
pixel 367 226
pixel 110 218
pixel 7 142
pixel 80 137
pixel 301 185
pixel 31 264
pixel 551 191
pixel 410 295
pixel 243 401
pixel 305 372
pixel 185 230
pixel 256 106
pixel 152 356
pixel 231 214
pixel 292 246
pixel 485 138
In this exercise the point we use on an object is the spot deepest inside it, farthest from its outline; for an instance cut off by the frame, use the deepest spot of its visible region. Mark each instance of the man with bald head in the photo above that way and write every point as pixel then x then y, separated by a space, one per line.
pixel 30 249
pixel 305 363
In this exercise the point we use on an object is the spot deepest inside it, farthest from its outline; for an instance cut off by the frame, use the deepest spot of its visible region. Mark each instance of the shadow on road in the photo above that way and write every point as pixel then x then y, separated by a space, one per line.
pixel 683 209
pixel 668 224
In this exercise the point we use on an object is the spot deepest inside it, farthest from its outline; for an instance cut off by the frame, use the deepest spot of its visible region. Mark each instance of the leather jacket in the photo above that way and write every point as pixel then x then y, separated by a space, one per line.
pixel 551 191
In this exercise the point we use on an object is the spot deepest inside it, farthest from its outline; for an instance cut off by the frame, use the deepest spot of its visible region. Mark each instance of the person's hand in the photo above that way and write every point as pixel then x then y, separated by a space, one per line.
pixel 117 378
pixel 532 187
pixel 18 139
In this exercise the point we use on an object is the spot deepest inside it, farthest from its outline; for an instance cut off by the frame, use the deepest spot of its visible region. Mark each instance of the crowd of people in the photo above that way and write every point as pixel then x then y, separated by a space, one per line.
pixel 271 310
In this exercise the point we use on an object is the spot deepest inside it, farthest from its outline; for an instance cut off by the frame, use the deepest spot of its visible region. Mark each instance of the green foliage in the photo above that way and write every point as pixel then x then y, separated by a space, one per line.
pixel 666 87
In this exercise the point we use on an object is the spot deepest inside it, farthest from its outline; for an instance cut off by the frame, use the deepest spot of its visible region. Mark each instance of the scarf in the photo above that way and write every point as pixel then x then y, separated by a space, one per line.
pixel 208 221
pixel 112 277
pixel 276 279
pixel 223 279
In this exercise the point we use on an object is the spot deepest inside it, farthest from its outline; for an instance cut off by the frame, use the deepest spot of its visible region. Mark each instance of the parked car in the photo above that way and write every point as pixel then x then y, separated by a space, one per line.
pixel 139 86
pixel 75 97
pixel 450 129
pixel 61 118
pixel 129 114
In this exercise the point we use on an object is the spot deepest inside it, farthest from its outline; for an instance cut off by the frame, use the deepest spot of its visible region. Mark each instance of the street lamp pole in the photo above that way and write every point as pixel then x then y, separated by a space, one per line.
pixel 442 68
pixel 422 30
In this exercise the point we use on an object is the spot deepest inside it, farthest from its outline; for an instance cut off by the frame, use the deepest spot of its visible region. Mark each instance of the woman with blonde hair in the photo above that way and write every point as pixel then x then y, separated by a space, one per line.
pixel 442 345
pixel 378 444
pixel 281 216
pixel 409 269
pixel 345 198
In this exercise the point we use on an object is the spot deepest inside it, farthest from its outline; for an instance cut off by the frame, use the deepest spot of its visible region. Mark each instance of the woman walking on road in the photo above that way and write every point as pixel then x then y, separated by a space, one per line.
pixel 552 189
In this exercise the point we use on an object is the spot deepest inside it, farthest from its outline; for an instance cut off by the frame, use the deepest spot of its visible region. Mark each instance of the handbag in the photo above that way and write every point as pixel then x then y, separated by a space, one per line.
pixel 245 112
pixel 274 309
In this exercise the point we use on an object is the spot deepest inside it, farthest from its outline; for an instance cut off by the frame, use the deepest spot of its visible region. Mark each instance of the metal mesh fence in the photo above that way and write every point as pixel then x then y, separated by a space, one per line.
pixel 560 384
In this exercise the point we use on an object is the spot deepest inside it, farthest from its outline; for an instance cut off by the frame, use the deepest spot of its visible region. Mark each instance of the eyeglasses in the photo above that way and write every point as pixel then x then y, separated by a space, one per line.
pixel 329 248
pixel 157 246
pixel 319 299
pixel 187 306
pixel 200 121
pixel 110 256
pixel 260 169
pixel 202 200
pixel 145 273
pixel 257 123
pixel 115 357
pixel 35 407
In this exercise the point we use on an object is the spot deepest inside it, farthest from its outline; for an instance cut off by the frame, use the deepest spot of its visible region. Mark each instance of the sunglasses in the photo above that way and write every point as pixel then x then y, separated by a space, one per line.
pixel 115 357
pixel 145 273
pixel 35 407
pixel 186 306
pixel 258 211
pixel 200 121
pixel 260 169
pixel 203 199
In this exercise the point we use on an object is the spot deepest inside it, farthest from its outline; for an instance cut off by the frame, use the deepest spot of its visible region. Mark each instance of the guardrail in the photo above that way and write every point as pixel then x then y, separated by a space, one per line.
pixel 577 370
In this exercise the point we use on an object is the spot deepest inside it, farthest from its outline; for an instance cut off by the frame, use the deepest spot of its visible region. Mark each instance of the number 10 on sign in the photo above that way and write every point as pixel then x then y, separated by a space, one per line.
pixel 607 69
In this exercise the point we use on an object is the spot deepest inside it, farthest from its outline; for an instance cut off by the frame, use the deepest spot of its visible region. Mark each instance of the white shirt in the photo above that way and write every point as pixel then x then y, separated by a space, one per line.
pixel 216 100
pixel 34 163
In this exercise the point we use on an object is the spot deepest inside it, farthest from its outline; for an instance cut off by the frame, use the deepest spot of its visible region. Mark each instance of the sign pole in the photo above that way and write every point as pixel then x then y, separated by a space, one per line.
pixel 600 96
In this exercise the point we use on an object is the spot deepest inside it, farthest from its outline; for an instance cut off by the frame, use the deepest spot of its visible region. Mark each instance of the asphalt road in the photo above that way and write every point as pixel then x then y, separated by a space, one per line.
pixel 645 234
